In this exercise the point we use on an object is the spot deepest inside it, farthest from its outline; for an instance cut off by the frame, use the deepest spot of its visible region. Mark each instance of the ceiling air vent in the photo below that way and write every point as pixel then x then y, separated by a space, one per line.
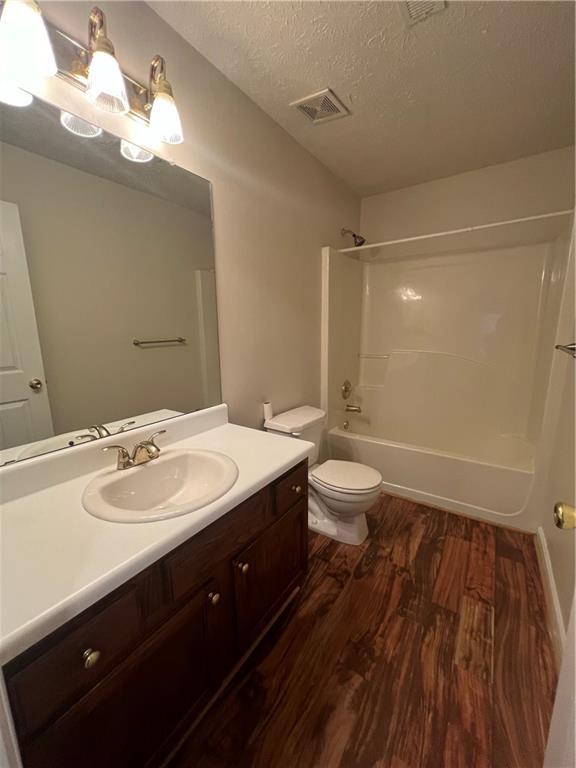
pixel 419 10
pixel 321 107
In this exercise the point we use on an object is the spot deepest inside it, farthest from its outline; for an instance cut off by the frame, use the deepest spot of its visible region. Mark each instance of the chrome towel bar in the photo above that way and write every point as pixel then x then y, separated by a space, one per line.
pixel 141 342
pixel 570 349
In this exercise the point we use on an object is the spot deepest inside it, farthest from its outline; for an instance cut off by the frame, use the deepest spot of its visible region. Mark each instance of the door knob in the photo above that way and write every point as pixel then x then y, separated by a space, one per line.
pixel 564 515
pixel 35 384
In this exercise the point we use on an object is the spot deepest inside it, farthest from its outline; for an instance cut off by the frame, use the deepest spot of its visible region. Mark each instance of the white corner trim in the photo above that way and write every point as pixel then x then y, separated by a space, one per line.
pixel 324 327
pixel 555 619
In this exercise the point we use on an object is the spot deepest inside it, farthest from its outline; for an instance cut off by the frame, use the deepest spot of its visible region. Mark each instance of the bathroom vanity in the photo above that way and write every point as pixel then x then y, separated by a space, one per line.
pixel 180 601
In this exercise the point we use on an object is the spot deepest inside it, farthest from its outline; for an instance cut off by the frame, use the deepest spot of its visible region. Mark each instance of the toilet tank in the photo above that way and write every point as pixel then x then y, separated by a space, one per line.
pixel 305 422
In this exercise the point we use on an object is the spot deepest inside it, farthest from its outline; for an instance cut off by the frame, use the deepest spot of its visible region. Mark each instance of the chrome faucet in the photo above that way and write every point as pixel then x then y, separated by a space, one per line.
pixel 143 452
pixel 352 408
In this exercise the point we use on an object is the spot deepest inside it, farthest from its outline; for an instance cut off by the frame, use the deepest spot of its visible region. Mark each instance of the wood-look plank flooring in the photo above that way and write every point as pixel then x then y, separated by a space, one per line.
pixel 427 646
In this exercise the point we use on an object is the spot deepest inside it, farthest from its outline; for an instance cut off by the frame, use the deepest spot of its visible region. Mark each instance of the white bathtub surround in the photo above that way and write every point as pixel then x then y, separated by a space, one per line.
pixel 58 559
pixel 448 341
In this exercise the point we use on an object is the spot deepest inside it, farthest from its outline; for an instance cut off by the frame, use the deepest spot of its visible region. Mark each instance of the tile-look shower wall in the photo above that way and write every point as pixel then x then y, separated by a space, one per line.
pixel 275 206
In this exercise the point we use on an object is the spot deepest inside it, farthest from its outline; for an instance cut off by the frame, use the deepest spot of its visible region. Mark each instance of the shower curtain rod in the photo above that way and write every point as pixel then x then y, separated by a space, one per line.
pixel 477 228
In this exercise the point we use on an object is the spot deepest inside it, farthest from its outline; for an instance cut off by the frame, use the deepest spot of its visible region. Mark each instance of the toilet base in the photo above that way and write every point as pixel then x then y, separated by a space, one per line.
pixel 353 530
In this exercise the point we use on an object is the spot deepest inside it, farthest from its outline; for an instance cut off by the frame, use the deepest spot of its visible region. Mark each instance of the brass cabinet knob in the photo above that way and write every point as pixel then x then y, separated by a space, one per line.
pixel 243 567
pixel 214 598
pixel 297 488
pixel 91 658
pixel 564 515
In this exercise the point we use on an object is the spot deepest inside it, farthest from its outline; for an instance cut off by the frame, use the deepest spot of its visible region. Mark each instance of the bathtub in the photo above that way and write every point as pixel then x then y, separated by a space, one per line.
pixel 456 483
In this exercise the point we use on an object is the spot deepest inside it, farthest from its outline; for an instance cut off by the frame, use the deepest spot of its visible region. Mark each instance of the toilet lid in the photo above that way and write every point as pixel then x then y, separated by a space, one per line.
pixel 347 475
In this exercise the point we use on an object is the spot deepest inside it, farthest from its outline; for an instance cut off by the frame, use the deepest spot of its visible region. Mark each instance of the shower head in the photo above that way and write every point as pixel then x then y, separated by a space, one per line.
pixel 358 239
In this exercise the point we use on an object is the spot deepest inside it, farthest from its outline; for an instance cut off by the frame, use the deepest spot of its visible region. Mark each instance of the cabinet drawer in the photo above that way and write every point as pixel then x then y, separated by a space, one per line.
pixel 75 663
pixel 192 563
pixel 291 489
pixel 125 720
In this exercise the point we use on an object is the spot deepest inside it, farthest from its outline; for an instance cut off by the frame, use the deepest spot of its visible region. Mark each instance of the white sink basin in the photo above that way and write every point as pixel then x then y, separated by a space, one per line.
pixel 176 483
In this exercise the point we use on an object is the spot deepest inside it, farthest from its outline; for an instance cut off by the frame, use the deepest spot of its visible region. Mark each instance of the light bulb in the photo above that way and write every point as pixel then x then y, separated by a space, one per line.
pixel 79 126
pixel 14 96
pixel 135 153
pixel 165 120
pixel 25 49
pixel 106 89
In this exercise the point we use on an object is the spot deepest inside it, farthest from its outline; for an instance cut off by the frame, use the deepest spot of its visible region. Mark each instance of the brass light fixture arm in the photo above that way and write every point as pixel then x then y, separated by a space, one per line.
pixel 157 82
pixel 97 38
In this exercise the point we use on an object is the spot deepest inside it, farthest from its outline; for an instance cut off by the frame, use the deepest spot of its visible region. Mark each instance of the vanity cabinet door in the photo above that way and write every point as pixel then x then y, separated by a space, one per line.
pixel 267 571
pixel 125 720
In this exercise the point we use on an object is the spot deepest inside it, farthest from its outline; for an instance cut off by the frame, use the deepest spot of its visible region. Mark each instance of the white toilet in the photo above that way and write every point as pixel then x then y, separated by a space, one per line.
pixel 340 492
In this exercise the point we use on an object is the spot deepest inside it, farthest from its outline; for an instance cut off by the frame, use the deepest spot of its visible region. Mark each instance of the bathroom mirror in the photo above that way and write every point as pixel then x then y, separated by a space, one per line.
pixel 107 286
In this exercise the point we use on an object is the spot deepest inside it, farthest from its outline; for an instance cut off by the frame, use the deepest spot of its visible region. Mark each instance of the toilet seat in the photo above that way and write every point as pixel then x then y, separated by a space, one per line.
pixel 345 477
pixel 351 500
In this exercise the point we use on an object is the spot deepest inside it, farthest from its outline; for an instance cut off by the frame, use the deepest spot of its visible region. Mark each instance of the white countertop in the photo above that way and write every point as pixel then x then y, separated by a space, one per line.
pixel 57 559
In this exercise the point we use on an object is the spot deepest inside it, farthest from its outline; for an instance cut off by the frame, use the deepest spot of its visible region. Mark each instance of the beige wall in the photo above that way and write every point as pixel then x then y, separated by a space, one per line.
pixel 538 184
pixel 93 288
pixel 275 206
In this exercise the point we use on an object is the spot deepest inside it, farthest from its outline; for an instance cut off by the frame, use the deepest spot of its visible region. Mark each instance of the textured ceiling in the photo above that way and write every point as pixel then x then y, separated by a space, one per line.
pixel 478 84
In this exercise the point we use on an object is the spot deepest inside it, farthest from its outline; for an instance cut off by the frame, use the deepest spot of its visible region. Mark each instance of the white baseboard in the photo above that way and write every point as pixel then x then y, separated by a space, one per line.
pixel 555 619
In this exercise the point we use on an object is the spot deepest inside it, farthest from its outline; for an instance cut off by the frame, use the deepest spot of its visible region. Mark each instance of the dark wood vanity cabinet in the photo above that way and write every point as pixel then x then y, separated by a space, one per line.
pixel 118 684
pixel 266 570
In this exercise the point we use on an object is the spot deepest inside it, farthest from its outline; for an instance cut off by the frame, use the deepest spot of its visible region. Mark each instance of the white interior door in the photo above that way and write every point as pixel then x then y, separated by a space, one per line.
pixel 24 405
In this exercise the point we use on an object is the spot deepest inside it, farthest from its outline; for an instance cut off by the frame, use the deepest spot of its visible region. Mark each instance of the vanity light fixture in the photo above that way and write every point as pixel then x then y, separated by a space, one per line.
pixel 26 53
pixel 78 126
pixel 164 118
pixel 135 153
pixel 106 89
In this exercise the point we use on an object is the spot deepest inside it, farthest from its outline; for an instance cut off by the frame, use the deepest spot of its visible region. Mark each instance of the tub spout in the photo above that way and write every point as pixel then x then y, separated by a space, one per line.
pixel 352 408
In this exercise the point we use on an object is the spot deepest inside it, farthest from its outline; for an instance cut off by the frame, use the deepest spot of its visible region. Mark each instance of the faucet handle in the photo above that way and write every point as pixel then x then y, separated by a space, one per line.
pixel 125 426
pixel 154 436
pixel 146 449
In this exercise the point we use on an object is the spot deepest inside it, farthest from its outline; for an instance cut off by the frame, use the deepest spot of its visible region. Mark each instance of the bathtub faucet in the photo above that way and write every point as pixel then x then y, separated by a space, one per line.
pixel 352 408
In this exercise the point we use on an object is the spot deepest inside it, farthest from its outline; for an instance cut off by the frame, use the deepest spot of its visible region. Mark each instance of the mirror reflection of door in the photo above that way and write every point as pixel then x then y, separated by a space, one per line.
pixel 24 405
